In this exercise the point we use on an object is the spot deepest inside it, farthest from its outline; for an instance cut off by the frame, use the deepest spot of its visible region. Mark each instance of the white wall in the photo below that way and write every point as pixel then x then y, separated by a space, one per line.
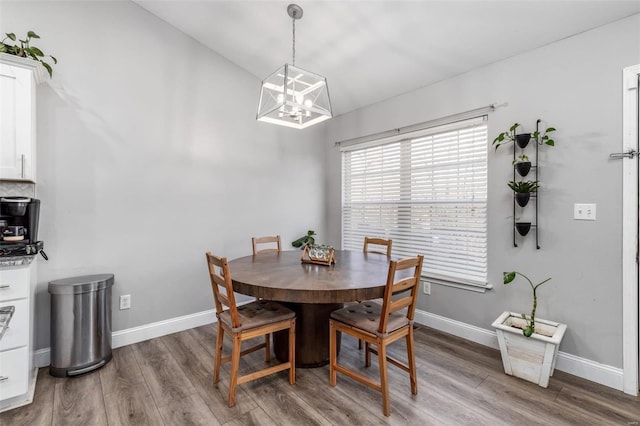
pixel 576 86
pixel 149 155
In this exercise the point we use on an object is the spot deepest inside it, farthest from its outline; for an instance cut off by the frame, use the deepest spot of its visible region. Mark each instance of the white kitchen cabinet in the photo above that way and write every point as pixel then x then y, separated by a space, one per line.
pixel 17 371
pixel 18 80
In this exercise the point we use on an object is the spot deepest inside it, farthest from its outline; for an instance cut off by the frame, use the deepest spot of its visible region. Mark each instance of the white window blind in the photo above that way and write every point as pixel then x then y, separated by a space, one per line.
pixel 428 193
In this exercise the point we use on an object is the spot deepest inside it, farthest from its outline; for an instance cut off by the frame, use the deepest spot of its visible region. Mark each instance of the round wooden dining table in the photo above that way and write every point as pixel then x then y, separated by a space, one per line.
pixel 312 291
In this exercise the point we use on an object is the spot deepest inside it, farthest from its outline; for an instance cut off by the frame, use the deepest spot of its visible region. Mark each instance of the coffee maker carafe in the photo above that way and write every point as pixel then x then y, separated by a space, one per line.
pixel 19 219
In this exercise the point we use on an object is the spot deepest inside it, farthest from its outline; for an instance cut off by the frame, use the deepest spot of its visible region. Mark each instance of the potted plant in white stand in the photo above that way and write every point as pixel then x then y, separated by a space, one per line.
pixel 528 345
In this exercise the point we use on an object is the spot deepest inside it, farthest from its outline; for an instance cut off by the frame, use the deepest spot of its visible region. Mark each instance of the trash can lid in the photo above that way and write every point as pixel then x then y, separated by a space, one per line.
pixel 84 284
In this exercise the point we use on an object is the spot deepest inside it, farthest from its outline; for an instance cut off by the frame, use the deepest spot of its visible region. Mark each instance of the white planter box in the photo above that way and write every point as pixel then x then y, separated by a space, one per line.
pixel 529 358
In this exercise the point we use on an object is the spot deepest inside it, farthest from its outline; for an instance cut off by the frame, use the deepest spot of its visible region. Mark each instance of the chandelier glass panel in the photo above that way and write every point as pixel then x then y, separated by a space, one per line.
pixel 291 96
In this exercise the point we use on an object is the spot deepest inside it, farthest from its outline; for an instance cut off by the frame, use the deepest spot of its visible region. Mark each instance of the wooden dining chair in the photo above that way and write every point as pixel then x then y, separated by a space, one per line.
pixel 255 241
pixel 255 319
pixel 382 242
pixel 380 326
pixel 378 243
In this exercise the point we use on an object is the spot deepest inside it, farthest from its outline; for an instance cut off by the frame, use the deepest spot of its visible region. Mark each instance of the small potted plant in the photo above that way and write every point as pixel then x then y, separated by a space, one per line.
pixel 523 190
pixel 528 346
pixel 25 50
pixel 522 139
pixel 522 165
pixel 305 240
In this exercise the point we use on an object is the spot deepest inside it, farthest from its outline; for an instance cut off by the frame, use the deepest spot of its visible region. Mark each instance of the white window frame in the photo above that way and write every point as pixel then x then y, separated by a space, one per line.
pixel 404 245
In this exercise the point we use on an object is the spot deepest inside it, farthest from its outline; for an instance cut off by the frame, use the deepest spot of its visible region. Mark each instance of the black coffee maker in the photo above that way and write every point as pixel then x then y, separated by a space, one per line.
pixel 19 218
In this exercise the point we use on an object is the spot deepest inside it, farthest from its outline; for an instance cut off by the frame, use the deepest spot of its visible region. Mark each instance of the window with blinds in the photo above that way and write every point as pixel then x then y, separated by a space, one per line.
pixel 427 191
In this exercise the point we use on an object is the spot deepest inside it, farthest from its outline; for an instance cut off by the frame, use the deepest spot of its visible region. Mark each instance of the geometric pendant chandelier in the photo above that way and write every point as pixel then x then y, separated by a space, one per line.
pixel 291 96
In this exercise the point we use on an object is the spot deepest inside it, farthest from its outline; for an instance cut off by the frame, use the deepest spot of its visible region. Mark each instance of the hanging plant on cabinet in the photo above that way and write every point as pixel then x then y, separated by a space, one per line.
pixel 25 50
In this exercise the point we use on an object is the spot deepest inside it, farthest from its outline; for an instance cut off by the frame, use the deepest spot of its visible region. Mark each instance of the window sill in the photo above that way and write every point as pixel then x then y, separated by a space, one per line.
pixel 478 288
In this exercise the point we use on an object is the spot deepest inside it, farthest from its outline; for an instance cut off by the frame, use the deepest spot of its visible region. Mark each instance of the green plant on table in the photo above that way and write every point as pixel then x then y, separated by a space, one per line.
pixel 523 186
pixel 305 239
pixel 25 50
pixel 508 277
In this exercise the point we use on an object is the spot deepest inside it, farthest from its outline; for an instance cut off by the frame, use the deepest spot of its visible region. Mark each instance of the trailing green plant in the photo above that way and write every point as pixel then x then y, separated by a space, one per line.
pixel 305 239
pixel 510 136
pixel 506 137
pixel 524 186
pixel 507 278
pixel 544 139
pixel 521 159
pixel 25 50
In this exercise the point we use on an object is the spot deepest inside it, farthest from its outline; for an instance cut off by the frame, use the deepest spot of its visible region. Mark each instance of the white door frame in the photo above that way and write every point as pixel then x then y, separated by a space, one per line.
pixel 630 231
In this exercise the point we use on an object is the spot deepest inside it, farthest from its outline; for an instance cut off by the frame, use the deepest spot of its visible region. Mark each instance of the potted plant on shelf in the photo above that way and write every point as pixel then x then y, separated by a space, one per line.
pixel 528 346
pixel 523 190
pixel 522 165
pixel 25 50
pixel 522 139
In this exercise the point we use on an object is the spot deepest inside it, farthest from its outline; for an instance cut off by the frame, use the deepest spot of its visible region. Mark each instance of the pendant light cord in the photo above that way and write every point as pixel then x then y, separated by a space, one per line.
pixel 294 38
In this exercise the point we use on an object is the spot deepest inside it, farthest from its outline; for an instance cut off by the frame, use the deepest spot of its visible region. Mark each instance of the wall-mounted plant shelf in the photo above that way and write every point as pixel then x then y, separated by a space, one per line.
pixel 524 167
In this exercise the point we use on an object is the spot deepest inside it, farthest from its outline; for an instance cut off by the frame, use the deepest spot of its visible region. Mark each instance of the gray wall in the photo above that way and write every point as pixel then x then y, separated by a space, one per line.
pixel 149 155
pixel 576 86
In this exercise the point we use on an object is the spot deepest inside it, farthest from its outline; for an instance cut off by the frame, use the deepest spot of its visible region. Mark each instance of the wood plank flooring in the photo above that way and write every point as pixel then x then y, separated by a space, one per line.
pixel 168 381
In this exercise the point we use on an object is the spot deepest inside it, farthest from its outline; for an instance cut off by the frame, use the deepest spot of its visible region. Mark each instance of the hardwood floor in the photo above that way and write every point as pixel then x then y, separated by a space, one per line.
pixel 168 381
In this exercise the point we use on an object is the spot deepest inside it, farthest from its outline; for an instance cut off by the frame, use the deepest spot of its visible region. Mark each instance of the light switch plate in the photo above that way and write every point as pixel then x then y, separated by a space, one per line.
pixel 584 211
pixel 426 287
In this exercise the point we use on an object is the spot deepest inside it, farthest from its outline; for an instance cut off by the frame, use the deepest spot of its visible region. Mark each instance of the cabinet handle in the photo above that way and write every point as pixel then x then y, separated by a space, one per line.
pixel 22 166
pixel 4 378
pixel 5 286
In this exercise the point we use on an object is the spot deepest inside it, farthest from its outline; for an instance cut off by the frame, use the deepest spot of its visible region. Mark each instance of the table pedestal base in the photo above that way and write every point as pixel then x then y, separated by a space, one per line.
pixel 312 334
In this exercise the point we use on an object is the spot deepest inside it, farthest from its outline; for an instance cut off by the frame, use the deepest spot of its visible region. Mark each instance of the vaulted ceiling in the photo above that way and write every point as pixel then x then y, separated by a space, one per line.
pixel 374 50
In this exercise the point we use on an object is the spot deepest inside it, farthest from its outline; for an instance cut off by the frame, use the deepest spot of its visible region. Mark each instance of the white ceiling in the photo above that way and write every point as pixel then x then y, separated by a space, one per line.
pixel 374 50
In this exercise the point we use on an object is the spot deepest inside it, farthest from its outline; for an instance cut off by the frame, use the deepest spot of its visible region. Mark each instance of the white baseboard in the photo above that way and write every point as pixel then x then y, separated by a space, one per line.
pixel 129 336
pixel 581 367
pixel 457 328
pixel 141 333
pixel 590 370
pixel 42 357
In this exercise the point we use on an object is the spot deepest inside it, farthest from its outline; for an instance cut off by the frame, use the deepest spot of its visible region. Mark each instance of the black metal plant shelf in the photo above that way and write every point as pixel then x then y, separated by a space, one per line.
pixel 535 197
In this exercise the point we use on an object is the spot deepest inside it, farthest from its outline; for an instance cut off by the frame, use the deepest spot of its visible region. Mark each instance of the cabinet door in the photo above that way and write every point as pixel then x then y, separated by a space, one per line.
pixel 17 333
pixel 14 283
pixel 14 373
pixel 17 123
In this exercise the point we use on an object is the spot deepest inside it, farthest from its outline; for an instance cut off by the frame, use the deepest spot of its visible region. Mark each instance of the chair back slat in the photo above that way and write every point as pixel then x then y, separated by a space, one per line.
pixel 402 285
pixel 221 282
pixel 378 242
pixel 398 304
pixel 255 241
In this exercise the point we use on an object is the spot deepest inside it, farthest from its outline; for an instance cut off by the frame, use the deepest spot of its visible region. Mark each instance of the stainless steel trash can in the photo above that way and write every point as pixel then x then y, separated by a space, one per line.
pixel 80 324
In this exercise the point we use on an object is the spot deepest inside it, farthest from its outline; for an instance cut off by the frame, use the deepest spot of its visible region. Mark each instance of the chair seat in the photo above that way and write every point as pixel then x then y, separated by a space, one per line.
pixel 366 316
pixel 256 314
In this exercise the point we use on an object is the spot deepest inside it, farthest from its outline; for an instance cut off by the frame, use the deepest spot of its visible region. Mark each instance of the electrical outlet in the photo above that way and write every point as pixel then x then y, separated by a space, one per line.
pixel 426 287
pixel 584 211
pixel 125 301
